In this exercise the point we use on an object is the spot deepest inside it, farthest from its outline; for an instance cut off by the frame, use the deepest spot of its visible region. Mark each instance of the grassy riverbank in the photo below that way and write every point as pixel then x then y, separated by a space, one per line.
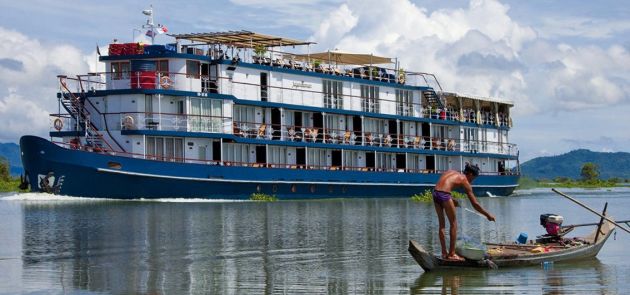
pixel 527 183
pixel 10 185
pixel 7 182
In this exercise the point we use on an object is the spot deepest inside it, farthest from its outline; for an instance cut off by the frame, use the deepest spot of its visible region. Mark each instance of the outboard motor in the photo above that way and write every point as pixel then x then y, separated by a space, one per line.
pixel 551 223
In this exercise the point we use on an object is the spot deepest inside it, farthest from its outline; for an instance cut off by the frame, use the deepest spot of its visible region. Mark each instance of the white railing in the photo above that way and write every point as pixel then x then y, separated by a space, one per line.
pixel 172 122
pixel 295 133
pixel 290 95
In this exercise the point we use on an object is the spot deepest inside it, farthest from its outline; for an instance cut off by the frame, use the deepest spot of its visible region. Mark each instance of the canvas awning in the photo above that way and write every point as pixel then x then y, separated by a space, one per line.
pixel 341 58
pixel 239 39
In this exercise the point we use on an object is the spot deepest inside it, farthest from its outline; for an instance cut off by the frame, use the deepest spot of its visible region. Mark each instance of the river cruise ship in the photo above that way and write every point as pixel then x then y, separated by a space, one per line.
pixel 226 114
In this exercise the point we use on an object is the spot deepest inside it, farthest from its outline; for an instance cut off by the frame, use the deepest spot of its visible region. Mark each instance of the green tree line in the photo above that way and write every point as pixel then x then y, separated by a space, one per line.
pixel 7 183
pixel 589 178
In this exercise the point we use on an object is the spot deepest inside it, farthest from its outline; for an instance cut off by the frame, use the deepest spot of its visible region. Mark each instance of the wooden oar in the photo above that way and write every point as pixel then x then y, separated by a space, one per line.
pixel 589 209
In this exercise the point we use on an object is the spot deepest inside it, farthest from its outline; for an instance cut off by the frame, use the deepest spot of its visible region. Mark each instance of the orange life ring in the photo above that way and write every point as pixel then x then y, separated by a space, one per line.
pixel 128 123
pixel 166 82
pixel 58 124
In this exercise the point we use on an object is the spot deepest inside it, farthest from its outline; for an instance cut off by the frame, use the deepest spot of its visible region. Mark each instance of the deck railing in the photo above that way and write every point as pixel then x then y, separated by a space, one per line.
pixel 164 158
pixel 293 133
pixel 172 122
pixel 311 134
pixel 300 94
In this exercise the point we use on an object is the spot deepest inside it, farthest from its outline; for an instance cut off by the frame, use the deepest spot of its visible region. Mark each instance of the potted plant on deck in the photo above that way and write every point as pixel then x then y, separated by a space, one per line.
pixel 402 76
pixel 259 52
pixel 317 65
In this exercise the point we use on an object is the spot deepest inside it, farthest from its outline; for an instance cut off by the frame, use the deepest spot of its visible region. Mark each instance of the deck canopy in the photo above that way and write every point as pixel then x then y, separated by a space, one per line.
pixel 341 58
pixel 240 39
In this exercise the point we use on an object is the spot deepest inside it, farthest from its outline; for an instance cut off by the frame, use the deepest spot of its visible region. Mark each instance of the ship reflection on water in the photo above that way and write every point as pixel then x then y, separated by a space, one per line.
pixel 332 246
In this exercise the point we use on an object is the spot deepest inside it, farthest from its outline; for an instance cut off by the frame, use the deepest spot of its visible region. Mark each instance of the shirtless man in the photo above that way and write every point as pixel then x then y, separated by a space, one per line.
pixel 444 202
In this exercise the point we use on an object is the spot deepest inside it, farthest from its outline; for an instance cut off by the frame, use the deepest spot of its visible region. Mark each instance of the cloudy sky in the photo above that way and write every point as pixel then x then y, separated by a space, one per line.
pixel 565 64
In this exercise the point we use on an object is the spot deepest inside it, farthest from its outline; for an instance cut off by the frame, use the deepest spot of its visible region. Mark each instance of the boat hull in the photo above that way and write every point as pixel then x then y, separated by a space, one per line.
pixel 51 168
pixel 430 262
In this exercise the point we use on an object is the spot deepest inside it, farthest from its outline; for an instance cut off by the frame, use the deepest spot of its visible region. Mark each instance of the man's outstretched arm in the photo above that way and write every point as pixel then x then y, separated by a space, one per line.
pixel 475 203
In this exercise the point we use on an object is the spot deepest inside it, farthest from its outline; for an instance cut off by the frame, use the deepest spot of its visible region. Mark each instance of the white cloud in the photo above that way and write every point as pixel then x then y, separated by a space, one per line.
pixel 585 27
pixel 339 22
pixel 21 116
pixel 481 50
pixel 27 91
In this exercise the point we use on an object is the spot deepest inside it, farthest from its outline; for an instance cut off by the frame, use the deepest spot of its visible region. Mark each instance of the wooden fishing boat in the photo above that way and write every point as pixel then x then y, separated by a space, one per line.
pixel 510 255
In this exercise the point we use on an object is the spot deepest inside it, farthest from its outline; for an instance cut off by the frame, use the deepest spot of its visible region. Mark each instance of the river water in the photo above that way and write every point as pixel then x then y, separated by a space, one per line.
pixel 72 245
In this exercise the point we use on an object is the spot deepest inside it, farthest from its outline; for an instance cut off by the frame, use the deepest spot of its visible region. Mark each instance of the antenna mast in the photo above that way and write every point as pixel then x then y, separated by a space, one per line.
pixel 149 25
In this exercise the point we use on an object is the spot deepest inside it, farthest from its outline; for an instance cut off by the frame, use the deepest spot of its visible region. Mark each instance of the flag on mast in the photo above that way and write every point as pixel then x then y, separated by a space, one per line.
pixel 161 29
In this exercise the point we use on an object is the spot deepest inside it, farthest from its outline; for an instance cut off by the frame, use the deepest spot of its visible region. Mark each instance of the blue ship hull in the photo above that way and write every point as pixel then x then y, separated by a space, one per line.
pixel 51 168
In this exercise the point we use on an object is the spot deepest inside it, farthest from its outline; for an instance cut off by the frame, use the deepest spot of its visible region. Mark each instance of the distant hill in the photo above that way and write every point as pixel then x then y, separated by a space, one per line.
pixel 11 152
pixel 570 164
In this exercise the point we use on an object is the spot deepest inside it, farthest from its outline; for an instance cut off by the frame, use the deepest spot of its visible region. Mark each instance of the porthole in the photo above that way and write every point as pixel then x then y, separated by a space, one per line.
pixel 258 188
pixel 114 165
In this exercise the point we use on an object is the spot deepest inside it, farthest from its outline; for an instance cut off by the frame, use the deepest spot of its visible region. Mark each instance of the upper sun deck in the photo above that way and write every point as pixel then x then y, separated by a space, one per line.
pixel 249 48
pixel 234 63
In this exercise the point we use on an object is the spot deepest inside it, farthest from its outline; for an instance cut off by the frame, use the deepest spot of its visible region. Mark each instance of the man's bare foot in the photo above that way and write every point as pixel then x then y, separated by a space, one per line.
pixel 454 257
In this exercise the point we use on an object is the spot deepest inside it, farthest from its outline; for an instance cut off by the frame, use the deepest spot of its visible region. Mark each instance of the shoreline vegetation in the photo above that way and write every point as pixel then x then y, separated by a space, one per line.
pixel 529 183
pixel 427 196
pixel 589 179
pixel 8 183
pixel 263 197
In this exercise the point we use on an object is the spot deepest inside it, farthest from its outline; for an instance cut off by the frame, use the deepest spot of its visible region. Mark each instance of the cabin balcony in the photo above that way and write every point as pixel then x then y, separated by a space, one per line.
pixel 287 132
pixel 368 138
pixel 172 122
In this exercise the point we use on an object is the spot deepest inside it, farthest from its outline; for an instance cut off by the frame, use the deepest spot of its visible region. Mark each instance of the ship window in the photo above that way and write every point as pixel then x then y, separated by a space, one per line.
pixel 335 126
pixel 317 158
pixel 165 148
pixel 179 149
pixel 159 148
pixel 169 149
pixel 120 70
pixel 277 155
pixel 404 102
pixel 205 115
pixel 385 161
pixel 412 162
pixel 370 99
pixel 471 143
pixel 193 69
pixel 162 67
pixel 180 107
pixel 236 153
pixel 333 94
pixel 375 127
pixel 244 116
pixel 351 160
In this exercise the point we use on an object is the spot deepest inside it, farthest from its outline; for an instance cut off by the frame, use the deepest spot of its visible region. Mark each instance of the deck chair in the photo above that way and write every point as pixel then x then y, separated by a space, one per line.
pixel 314 133
pixel 261 130
pixel 346 137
